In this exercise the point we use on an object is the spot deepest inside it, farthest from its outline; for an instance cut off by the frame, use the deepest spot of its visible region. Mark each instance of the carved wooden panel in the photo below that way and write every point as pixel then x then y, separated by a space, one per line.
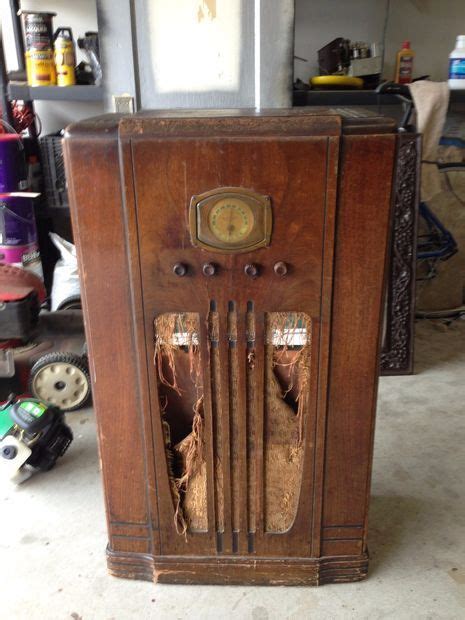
pixel 398 333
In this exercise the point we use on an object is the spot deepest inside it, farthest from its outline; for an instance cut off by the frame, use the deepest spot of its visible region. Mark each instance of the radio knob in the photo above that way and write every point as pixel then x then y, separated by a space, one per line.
pixel 251 270
pixel 209 269
pixel 280 268
pixel 180 269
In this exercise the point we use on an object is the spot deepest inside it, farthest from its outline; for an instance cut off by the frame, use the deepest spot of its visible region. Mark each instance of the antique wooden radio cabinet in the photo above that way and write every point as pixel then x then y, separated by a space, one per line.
pixel 232 265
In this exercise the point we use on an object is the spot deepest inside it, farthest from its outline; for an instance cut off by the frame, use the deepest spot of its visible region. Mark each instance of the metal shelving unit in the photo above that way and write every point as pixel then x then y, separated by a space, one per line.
pixel 12 89
pixel 21 90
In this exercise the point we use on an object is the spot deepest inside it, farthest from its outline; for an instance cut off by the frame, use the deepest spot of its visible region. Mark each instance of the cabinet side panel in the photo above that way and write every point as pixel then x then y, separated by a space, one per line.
pixel 361 242
pixel 97 214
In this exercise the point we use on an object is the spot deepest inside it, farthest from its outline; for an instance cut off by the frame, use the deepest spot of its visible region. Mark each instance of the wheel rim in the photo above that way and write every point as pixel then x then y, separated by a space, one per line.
pixel 61 384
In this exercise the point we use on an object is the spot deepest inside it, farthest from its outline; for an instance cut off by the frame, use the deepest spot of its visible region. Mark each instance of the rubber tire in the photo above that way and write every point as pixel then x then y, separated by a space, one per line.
pixel 78 361
pixel 70 303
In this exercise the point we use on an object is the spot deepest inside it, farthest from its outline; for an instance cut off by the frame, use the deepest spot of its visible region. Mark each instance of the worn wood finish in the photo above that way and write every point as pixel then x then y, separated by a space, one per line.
pixel 357 305
pixel 239 571
pixel 329 178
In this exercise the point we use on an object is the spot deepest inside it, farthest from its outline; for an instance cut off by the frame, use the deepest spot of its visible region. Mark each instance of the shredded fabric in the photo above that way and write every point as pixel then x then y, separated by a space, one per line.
pixel 289 333
pixel 287 381
pixel 174 331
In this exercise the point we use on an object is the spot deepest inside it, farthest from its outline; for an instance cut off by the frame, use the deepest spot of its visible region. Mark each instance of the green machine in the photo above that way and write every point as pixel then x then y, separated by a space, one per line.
pixel 33 436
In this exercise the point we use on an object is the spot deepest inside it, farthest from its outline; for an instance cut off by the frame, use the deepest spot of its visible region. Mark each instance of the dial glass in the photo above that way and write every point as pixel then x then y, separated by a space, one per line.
pixel 231 220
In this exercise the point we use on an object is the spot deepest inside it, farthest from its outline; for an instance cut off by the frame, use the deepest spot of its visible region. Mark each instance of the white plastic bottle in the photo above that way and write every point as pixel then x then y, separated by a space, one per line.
pixel 457 64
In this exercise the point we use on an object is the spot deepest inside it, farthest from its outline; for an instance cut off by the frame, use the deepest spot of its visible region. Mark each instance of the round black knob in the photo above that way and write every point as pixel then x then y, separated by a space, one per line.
pixel 251 270
pixel 280 268
pixel 209 269
pixel 180 269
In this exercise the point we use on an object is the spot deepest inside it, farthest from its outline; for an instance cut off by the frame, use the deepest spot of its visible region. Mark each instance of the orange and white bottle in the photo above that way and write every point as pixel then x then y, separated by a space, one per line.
pixel 404 64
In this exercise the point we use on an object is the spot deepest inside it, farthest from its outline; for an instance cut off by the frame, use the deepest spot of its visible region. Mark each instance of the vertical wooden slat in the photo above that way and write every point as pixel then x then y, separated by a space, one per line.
pixel 224 408
pixel 250 424
pixel 240 437
pixel 205 361
pixel 213 334
pixel 233 427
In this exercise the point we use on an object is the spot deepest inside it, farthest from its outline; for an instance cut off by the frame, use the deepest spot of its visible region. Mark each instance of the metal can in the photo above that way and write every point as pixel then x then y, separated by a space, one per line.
pixel 65 57
pixel 40 64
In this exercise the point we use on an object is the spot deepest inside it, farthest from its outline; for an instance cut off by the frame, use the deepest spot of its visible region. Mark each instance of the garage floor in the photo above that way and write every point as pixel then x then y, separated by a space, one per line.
pixel 53 531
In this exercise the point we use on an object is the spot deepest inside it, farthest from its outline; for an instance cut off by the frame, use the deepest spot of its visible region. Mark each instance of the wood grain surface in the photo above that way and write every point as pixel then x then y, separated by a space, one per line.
pixel 329 177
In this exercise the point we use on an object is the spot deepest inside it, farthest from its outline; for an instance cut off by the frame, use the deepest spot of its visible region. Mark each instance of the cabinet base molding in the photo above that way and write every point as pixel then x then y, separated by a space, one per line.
pixel 238 571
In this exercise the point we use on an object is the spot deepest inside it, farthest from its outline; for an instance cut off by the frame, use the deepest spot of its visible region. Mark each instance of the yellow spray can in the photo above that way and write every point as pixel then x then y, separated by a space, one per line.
pixel 65 57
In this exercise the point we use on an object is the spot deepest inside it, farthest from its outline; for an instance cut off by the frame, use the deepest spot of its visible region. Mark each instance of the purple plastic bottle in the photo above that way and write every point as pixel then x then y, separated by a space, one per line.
pixel 18 232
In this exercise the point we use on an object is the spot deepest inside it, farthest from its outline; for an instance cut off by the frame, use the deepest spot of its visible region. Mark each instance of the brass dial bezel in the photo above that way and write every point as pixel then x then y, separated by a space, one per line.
pixel 201 231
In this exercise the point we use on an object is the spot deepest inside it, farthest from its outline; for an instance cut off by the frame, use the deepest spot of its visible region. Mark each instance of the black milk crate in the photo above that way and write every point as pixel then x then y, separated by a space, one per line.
pixel 53 170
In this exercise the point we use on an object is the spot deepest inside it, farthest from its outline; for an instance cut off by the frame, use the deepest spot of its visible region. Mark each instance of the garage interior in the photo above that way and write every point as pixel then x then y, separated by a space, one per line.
pixel 250 56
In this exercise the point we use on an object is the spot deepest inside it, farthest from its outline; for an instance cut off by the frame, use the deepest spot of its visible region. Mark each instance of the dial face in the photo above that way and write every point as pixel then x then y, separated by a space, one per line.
pixel 231 220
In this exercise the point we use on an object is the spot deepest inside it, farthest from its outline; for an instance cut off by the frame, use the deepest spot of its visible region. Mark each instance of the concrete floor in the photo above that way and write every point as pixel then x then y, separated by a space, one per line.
pixel 53 531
